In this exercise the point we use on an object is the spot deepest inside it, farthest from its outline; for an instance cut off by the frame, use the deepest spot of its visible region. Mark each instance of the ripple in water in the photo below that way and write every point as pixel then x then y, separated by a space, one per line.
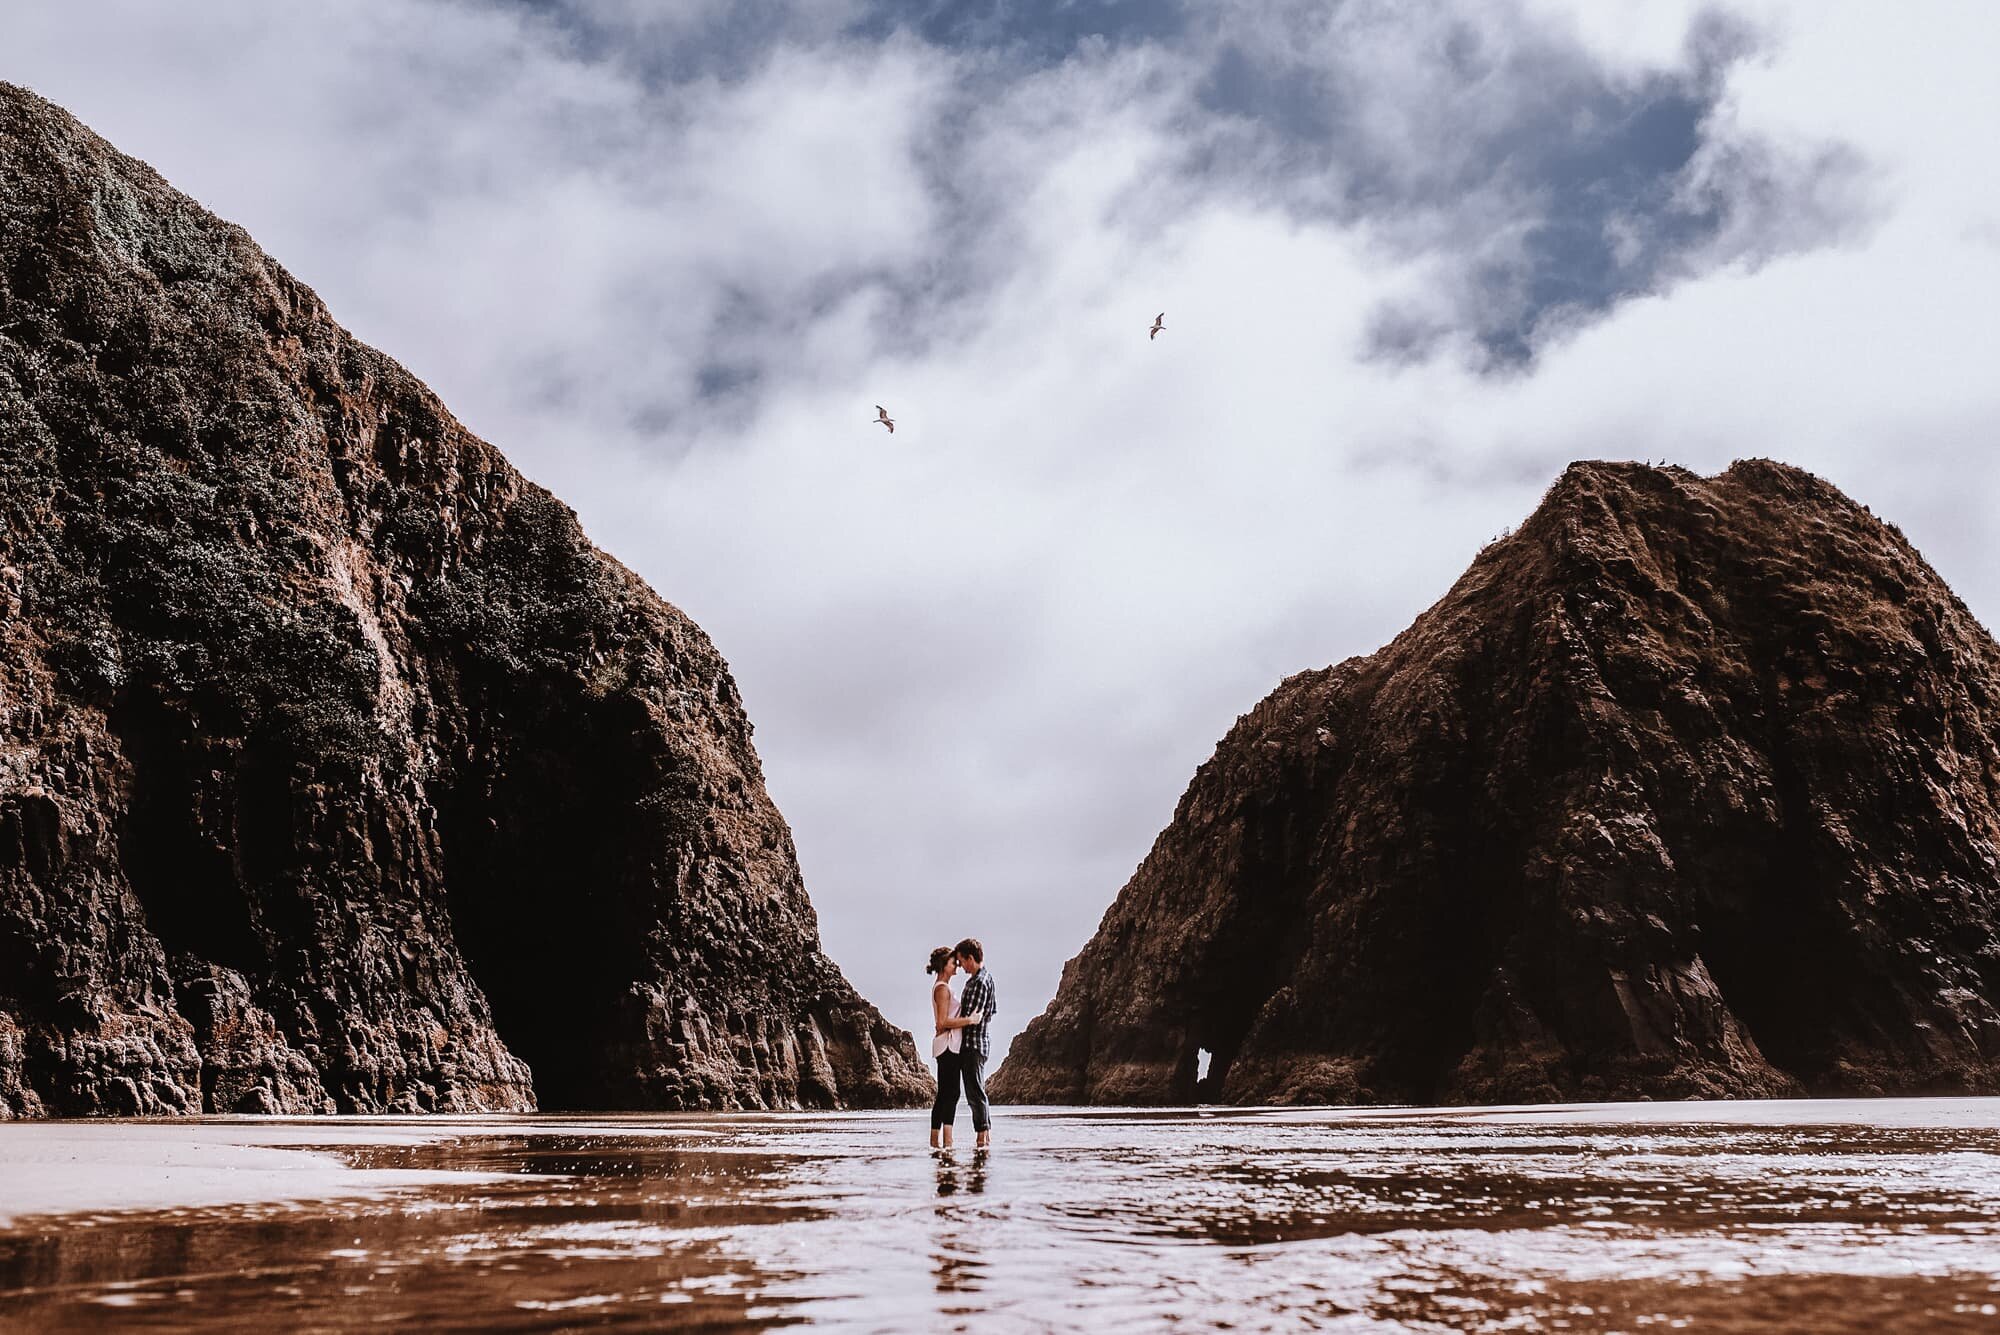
pixel 1864 1216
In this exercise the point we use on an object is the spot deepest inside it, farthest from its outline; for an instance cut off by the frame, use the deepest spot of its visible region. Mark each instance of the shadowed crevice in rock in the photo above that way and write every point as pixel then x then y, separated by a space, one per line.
pixel 185 840
pixel 539 831
pixel 1689 787
pixel 338 770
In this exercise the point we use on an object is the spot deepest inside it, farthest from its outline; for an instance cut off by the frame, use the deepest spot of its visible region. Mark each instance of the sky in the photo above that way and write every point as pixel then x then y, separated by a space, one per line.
pixel 1413 260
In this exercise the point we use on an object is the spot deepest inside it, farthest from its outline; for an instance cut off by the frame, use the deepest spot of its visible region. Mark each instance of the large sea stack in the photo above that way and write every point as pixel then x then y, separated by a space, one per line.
pixel 1687 788
pixel 338 770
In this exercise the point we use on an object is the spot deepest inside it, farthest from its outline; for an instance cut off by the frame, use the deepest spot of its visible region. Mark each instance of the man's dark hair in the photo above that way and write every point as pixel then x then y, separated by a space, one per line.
pixel 970 949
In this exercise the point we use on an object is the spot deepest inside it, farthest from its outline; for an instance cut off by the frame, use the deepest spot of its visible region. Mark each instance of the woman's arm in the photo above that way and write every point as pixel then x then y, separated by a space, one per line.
pixel 941 1011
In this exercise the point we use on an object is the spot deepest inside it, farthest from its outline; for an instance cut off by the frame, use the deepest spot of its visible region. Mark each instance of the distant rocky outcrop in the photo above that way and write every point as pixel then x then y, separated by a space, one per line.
pixel 338 771
pixel 1688 787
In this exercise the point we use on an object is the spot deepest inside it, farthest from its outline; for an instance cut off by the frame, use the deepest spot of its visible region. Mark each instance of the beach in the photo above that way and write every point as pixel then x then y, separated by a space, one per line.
pixel 1825 1215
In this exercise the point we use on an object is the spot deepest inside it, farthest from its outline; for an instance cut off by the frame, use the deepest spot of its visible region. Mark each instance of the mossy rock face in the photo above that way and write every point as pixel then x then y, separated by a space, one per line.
pixel 338 770
pixel 1690 788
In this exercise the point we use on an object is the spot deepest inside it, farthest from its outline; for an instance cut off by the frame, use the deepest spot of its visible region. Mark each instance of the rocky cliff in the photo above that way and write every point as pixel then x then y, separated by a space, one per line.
pixel 1688 787
pixel 338 771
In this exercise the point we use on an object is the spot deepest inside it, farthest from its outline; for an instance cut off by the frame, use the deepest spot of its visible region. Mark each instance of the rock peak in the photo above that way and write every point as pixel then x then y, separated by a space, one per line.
pixel 1689 786
pixel 338 769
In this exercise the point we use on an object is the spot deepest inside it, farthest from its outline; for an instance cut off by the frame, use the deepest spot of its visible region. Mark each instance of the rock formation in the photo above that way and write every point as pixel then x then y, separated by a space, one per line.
pixel 1688 787
pixel 338 771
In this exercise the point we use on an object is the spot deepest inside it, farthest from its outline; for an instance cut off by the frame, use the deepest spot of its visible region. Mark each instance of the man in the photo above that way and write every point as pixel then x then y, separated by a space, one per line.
pixel 979 996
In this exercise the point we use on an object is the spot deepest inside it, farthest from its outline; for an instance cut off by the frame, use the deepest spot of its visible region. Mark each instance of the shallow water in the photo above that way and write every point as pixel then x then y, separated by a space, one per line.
pixel 1849 1217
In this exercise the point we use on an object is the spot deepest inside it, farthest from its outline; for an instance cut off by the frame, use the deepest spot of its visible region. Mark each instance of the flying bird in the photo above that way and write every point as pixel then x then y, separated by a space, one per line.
pixel 882 416
pixel 1159 323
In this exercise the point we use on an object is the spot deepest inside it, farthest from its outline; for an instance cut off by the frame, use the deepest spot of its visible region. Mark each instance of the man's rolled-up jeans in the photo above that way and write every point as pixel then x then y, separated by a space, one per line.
pixel 972 1070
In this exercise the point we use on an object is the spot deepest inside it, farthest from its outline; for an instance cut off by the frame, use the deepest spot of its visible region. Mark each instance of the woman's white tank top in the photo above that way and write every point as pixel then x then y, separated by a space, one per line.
pixel 951 1039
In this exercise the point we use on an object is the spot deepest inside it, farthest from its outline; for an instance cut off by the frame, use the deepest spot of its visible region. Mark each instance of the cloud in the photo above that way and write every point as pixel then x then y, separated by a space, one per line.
pixel 1413 261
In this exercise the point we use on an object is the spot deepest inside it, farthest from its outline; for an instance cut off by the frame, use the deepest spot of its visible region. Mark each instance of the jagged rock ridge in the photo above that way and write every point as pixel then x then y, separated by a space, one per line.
pixel 338 771
pixel 1686 788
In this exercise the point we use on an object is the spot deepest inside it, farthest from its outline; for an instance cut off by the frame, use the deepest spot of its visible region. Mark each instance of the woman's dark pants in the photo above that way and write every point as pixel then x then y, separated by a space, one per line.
pixel 945 1110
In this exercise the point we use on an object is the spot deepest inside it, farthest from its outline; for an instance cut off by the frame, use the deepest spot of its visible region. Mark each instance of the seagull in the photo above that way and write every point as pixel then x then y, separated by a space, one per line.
pixel 1159 323
pixel 882 416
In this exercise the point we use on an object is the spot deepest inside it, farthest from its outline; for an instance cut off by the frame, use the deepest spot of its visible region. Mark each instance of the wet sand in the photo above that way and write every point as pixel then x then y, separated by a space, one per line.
pixel 91 1167
pixel 1824 1216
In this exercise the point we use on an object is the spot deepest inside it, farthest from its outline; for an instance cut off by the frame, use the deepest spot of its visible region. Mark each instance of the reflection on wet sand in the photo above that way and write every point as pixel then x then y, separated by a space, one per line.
pixel 577 1231
pixel 950 1177
pixel 955 1254
pixel 1869 1216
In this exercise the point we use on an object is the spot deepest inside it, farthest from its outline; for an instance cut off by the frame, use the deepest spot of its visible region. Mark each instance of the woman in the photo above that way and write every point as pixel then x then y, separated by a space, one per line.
pixel 945 1045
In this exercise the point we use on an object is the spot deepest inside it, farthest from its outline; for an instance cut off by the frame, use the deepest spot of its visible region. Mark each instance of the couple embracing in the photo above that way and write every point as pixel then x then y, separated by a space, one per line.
pixel 962 1043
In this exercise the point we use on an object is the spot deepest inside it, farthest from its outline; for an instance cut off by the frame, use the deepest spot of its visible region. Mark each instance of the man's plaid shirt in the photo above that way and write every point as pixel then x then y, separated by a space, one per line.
pixel 979 996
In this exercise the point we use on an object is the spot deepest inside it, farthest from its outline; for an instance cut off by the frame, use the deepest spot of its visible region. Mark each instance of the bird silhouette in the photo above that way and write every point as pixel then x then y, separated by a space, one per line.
pixel 882 416
pixel 1159 323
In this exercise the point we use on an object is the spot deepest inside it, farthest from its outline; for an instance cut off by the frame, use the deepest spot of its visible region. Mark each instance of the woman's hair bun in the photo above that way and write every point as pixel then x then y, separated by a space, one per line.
pixel 938 957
